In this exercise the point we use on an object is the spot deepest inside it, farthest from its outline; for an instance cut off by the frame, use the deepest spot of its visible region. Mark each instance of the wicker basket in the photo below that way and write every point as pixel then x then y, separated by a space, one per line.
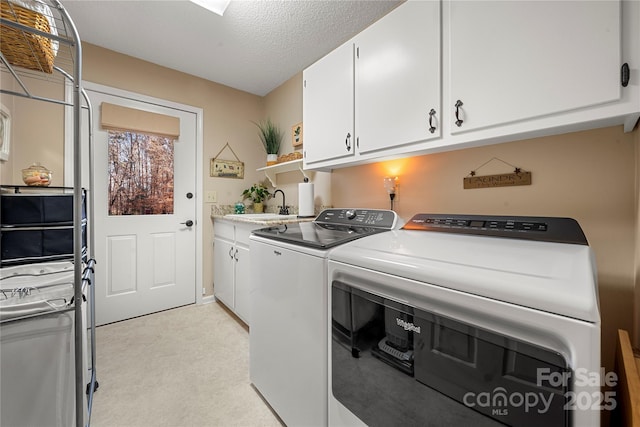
pixel 289 157
pixel 23 49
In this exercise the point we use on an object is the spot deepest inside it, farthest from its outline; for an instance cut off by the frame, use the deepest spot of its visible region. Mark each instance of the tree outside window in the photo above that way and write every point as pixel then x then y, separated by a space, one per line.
pixel 140 174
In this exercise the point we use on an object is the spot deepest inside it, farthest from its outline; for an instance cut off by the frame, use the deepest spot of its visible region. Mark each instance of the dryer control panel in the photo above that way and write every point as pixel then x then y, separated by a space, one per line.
pixel 546 229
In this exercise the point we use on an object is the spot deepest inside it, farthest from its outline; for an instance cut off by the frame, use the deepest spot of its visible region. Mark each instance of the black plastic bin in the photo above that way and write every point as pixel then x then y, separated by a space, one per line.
pixel 37 227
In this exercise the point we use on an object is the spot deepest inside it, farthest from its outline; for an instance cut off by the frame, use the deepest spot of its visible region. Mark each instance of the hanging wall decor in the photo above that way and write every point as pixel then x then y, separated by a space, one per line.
pixel 517 177
pixel 226 168
pixel 5 132
pixel 296 135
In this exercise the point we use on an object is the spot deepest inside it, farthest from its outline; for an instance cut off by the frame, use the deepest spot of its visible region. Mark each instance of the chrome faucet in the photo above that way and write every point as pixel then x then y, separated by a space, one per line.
pixel 283 209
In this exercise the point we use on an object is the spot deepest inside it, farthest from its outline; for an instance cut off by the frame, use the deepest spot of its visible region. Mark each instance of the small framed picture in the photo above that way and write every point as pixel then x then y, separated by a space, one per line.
pixel 296 135
pixel 5 132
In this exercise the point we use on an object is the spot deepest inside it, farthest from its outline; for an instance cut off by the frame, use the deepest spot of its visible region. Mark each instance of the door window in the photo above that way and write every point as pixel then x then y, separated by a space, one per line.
pixel 141 174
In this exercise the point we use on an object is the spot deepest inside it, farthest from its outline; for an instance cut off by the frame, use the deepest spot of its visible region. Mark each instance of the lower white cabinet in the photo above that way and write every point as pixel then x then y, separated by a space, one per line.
pixel 231 266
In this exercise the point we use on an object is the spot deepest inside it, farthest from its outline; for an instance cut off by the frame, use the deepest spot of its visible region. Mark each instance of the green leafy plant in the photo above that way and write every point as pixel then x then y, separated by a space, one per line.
pixel 257 193
pixel 270 135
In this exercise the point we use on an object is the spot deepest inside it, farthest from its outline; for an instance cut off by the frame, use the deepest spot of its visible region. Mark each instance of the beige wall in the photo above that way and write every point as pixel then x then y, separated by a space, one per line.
pixel 34 140
pixel 589 176
pixel 227 116
pixel 284 106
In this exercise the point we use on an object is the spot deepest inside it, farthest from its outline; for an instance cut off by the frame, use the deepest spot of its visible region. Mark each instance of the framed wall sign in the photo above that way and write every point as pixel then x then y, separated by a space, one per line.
pixel 226 169
pixel 219 168
pixel 296 135
pixel 5 132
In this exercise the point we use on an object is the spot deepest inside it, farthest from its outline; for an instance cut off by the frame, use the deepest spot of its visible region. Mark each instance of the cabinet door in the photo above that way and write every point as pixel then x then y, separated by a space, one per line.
pixel 242 271
pixel 223 265
pixel 328 107
pixel 514 60
pixel 397 79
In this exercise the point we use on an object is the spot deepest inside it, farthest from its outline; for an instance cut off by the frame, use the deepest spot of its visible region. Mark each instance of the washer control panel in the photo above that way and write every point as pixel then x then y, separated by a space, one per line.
pixel 548 229
pixel 378 218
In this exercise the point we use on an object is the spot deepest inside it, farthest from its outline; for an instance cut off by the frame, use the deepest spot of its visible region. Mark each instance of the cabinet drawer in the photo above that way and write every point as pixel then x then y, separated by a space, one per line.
pixel 243 232
pixel 223 229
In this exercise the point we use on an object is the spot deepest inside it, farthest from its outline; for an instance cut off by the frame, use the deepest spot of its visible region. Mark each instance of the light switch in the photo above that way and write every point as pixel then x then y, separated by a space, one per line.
pixel 211 197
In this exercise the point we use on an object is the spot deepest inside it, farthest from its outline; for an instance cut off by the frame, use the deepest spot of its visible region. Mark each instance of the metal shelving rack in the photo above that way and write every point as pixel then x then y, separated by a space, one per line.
pixel 67 71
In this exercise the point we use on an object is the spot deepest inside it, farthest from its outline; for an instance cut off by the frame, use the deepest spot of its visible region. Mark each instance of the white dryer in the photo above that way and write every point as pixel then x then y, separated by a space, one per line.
pixel 466 320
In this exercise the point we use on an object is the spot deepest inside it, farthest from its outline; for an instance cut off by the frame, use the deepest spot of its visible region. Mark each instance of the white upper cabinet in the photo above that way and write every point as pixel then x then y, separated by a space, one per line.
pixel 491 70
pixel 328 107
pixel 397 78
pixel 385 97
pixel 511 61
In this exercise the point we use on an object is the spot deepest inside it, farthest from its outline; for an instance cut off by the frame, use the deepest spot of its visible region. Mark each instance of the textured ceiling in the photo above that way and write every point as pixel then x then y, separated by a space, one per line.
pixel 256 46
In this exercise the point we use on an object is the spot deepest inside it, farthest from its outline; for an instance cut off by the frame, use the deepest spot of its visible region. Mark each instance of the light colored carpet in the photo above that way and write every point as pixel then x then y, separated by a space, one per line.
pixel 183 367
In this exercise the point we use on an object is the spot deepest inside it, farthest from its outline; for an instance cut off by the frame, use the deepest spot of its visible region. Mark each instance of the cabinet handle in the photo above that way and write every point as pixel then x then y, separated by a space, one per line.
pixel 432 128
pixel 459 121
pixel 347 141
pixel 235 255
pixel 624 75
pixel 230 254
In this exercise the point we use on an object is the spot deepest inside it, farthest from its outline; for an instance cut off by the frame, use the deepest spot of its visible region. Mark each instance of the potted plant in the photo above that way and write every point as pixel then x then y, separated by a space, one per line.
pixel 271 136
pixel 258 193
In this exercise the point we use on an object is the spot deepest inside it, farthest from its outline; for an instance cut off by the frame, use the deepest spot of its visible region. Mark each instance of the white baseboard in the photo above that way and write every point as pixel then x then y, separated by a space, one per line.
pixel 208 299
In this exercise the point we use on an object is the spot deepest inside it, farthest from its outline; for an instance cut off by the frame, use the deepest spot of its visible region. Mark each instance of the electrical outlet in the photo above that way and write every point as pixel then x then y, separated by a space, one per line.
pixel 212 197
pixel 204 291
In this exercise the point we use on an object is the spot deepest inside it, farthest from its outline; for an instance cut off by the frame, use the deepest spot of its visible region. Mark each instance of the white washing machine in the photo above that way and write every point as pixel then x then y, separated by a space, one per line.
pixel 466 320
pixel 288 331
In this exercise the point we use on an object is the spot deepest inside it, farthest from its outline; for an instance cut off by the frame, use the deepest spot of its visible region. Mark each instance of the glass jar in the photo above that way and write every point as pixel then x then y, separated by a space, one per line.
pixel 36 175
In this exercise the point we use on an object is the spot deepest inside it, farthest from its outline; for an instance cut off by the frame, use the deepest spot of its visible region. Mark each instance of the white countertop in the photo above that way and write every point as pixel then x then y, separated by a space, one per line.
pixel 262 219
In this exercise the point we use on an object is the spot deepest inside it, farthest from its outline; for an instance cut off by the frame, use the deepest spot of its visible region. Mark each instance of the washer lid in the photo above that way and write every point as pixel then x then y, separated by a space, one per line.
pixel 332 227
pixel 315 235
pixel 554 277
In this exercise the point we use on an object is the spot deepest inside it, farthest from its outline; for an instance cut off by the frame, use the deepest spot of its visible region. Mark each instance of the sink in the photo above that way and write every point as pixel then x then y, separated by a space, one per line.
pixel 261 216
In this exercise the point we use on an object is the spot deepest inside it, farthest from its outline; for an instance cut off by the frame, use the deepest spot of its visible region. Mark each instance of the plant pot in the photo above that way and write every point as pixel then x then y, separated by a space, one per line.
pixel 272 159
pixel 258 207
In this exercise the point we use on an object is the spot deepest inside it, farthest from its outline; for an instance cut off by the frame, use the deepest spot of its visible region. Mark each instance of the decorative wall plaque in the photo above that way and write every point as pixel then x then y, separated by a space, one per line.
pixel 500 180
pixel 296 135
pixel 517 177
pixel 226 168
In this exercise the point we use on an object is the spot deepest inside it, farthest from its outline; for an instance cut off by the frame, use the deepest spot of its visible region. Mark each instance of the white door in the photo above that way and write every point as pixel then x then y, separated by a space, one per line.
pixel 327 105
pixel 398 78
pixel 223 277
pixel 512 61
pixel 242 299
pixel 146 259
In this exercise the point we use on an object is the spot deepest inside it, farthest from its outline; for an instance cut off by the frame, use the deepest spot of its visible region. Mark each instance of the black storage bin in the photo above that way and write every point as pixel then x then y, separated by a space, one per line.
pixel 26 245
pixel 32 209
pixel 38 227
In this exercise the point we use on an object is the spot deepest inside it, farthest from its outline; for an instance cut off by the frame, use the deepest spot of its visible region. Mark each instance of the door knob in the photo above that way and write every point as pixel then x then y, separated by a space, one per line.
pixel 188 223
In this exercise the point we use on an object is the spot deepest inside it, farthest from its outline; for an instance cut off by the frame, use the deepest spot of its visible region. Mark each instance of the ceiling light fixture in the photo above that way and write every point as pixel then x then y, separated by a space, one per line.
pixel 215 6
